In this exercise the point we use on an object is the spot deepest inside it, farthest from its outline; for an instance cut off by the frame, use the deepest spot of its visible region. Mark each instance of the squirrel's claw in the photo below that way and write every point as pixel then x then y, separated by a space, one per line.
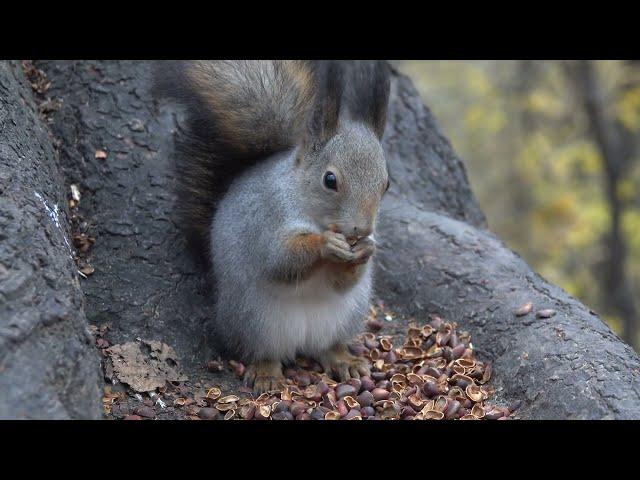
pixel 363 250
pixel 344 365
pixel 264 377
pixel 336 248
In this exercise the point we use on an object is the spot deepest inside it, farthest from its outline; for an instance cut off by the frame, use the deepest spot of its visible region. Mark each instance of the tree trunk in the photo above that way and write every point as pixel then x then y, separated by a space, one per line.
pixel 48 365
pixel 435 254
pixel 615 150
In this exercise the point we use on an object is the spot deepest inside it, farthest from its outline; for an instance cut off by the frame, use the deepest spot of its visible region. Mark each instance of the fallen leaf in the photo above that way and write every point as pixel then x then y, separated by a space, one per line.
pixel 146 365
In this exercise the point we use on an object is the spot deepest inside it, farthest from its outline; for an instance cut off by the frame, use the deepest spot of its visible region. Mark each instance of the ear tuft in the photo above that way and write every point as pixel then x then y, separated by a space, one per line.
pixel 323 123
pixel 367 93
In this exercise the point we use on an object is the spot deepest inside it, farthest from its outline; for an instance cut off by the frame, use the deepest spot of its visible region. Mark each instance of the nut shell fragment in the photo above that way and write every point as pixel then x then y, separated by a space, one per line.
pixel 409 353
pixel 524 310
pixel 433 415
pixel 546 313
pixel 477 411
pixel 474 393
pixel 332 415
pixel 229 399
pixel 469 416
pixel 386 344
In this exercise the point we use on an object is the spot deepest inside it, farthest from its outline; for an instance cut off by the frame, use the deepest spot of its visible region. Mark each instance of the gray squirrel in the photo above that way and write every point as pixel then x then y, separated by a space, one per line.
pixel 281 172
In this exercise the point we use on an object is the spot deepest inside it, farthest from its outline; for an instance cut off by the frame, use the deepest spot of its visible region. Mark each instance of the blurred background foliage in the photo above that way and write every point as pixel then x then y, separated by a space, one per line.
pixel 552 152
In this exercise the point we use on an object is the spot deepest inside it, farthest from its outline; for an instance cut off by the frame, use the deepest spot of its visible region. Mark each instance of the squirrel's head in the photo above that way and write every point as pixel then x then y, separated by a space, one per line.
pixel 341 164
pixel 344 180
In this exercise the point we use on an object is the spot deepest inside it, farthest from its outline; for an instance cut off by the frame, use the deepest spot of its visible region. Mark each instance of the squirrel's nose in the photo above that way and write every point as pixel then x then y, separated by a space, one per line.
pixel 361 231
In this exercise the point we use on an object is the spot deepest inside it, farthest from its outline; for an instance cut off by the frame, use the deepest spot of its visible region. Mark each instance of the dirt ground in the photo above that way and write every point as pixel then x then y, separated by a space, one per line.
pixel 426 372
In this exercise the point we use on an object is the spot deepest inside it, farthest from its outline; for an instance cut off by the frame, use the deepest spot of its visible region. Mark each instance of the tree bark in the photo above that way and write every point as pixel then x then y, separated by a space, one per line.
pixel 48 365
pixel 435 253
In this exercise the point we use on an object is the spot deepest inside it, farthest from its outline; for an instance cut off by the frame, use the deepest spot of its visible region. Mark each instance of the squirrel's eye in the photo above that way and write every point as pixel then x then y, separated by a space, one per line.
pixel 330 181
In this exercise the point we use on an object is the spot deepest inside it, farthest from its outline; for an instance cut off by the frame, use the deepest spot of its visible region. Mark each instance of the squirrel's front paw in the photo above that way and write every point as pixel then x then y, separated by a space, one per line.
pixel 336 248
pixel 363 250
pixel 264 376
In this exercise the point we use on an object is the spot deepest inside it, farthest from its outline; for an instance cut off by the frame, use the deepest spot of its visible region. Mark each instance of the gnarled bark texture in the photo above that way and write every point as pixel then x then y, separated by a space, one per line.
pixel 435 255
pixel 48 365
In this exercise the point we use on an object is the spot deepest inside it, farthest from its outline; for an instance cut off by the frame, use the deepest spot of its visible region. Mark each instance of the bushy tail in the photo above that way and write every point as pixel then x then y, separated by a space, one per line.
pixel 237 112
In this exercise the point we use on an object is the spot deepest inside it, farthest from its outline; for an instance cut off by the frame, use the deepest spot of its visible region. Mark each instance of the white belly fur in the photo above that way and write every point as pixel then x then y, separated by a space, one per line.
pixel 308 317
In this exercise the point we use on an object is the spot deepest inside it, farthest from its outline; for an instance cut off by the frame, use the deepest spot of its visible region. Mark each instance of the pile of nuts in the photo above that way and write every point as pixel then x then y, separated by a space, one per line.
pixel 433 375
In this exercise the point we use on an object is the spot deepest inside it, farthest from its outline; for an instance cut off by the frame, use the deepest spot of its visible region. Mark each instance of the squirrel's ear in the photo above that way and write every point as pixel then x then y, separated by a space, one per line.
pixel 381 93
pixel 367 95
pixel 325 113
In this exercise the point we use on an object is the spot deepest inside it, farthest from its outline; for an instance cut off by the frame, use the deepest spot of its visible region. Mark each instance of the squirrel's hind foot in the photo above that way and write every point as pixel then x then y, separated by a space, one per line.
pixel 343 364
pixel 264 376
